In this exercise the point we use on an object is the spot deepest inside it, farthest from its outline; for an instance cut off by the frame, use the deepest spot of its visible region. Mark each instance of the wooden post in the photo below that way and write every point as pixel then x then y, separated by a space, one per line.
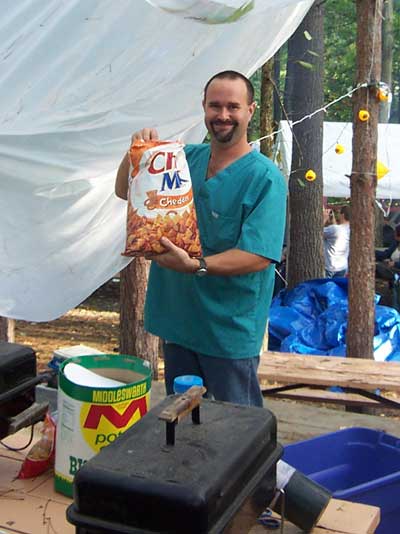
pixel 266 108
pixel 133 338
pixel 7 328
pixel 360 332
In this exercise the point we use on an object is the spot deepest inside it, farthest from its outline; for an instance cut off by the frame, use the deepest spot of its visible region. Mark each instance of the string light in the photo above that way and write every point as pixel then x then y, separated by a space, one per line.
pixel 339 149
pixel 363 115
pixel 337 140
pixel 310 175
pixel 324 108
pixel 383 94
pixel 381 170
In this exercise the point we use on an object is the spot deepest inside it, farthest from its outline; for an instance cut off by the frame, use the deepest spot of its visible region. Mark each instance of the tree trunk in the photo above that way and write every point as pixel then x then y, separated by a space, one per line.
pixel 289 78
pixel 387 55
pixel 379 222
pixel 305 201
pixel 7 327
pixel 360 331
pixel 266 108
pixel 133 338
pixel 398 103
pixel 277 92
pixel 384 107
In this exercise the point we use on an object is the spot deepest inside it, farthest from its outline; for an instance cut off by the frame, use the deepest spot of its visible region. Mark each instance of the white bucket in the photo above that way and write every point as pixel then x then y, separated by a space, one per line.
pixel 91 416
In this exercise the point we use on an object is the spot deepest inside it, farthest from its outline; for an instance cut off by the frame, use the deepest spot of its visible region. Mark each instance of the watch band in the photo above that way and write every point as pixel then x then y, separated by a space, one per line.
pixel 202 270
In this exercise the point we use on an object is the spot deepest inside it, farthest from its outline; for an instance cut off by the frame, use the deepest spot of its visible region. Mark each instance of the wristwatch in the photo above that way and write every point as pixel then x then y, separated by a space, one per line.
pixel 202 270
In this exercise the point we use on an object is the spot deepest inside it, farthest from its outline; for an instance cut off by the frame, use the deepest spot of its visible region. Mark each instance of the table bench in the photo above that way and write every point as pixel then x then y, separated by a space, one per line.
pixel 306 377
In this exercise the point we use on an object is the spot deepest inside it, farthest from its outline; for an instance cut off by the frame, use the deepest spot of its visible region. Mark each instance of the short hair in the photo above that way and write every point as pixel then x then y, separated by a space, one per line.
pixel 345 211
pixel 233 75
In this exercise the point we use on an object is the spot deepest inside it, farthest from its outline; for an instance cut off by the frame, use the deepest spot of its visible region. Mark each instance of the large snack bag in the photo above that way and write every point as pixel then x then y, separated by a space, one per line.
pixel 160 200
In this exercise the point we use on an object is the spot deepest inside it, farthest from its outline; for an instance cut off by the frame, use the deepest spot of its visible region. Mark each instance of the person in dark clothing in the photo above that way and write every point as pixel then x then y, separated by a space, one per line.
pixel 387 267
pixel 388 260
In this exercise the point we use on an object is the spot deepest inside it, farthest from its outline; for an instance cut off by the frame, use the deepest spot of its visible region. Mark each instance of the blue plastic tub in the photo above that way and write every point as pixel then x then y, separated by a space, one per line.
pixel 356 464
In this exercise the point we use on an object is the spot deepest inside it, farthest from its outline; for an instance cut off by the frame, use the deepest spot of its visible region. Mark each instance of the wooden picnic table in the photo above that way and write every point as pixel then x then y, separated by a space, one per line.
pixel 340 517
pixel 358 377
pixel 33 507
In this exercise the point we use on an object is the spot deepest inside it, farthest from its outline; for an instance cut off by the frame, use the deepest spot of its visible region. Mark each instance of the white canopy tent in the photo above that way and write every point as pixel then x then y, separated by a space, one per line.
pixel 337 167
pixel 77 78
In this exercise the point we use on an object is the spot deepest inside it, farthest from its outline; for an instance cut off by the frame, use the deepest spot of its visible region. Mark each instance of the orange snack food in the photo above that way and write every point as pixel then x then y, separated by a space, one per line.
pixel 41 455
pixel 160 200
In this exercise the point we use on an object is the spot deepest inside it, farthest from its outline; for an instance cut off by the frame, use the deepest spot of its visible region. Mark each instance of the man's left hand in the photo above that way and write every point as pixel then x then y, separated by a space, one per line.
pixel 174 258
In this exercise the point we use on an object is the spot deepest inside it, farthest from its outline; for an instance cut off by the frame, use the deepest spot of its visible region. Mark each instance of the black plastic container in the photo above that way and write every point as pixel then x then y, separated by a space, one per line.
pixel 215 472
pixel 17 369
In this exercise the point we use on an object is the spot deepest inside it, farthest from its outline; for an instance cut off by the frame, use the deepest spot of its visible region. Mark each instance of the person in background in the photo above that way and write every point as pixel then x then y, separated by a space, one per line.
pixel 388 260
pixel 212 312
pixel 391 254
pixel 280 274
pixel 336 242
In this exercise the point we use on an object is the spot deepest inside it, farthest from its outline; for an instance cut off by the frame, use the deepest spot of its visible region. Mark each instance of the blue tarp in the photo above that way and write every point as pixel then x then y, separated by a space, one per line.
pixel 312 319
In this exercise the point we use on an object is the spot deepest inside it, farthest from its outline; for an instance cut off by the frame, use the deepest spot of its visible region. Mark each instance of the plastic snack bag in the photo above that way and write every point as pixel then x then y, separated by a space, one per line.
pixel 41 455
pixel 160 200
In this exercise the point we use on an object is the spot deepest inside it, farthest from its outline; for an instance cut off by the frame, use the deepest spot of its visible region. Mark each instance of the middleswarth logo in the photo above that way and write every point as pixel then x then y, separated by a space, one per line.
pixel 101 424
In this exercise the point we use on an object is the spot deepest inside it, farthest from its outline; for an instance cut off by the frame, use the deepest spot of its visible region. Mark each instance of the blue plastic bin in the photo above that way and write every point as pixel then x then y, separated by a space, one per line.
pixel 356 464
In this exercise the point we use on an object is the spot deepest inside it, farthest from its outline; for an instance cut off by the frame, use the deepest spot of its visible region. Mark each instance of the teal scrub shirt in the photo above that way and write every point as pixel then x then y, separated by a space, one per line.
pixel 243 207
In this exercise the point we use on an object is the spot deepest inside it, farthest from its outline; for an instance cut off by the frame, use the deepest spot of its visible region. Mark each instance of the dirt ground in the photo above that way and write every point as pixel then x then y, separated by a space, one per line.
pixel 94 323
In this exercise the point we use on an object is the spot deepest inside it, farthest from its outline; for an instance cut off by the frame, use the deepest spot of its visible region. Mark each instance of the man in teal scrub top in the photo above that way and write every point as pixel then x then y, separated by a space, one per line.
pixel 212 312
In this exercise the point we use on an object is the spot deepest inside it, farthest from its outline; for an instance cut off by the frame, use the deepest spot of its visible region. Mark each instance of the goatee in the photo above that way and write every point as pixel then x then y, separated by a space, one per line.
pixel 223 137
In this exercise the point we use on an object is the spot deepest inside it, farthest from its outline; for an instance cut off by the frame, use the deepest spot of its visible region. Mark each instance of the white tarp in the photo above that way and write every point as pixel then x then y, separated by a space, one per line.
pixel 77 79
pixel 337 167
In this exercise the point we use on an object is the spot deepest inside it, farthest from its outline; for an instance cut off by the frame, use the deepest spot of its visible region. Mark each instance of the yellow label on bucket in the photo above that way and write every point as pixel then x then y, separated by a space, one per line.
pixel 101 424
pixel 92 417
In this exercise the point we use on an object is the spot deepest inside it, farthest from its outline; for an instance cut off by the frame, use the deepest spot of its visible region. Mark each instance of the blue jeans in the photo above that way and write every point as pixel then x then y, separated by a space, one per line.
pixel 230 380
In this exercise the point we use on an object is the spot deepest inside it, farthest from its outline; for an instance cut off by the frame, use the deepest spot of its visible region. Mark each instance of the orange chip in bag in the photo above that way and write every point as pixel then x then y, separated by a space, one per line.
pixel 160 200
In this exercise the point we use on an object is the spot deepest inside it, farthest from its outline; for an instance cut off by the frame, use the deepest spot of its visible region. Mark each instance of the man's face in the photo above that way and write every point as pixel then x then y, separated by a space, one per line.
pixel 227 112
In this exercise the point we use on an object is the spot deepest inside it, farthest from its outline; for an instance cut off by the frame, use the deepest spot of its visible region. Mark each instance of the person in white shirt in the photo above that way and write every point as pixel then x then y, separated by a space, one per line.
pixel 337 243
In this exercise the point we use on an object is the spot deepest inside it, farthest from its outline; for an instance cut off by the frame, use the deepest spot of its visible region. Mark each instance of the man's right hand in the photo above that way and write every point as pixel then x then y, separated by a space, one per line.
pixel 146 134
pixel 121 182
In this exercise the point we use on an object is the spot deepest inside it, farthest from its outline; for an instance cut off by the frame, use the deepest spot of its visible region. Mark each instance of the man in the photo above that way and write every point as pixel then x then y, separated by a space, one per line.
pixel 212 312
pixel 337 243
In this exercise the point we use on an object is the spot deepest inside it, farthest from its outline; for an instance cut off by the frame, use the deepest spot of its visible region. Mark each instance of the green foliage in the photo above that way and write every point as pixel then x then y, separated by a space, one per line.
pixel 254 128
pixel 340 56
pixel 305 64
pixel 241 11
pixel 307 35
pixel 396 63
pixel 340 62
